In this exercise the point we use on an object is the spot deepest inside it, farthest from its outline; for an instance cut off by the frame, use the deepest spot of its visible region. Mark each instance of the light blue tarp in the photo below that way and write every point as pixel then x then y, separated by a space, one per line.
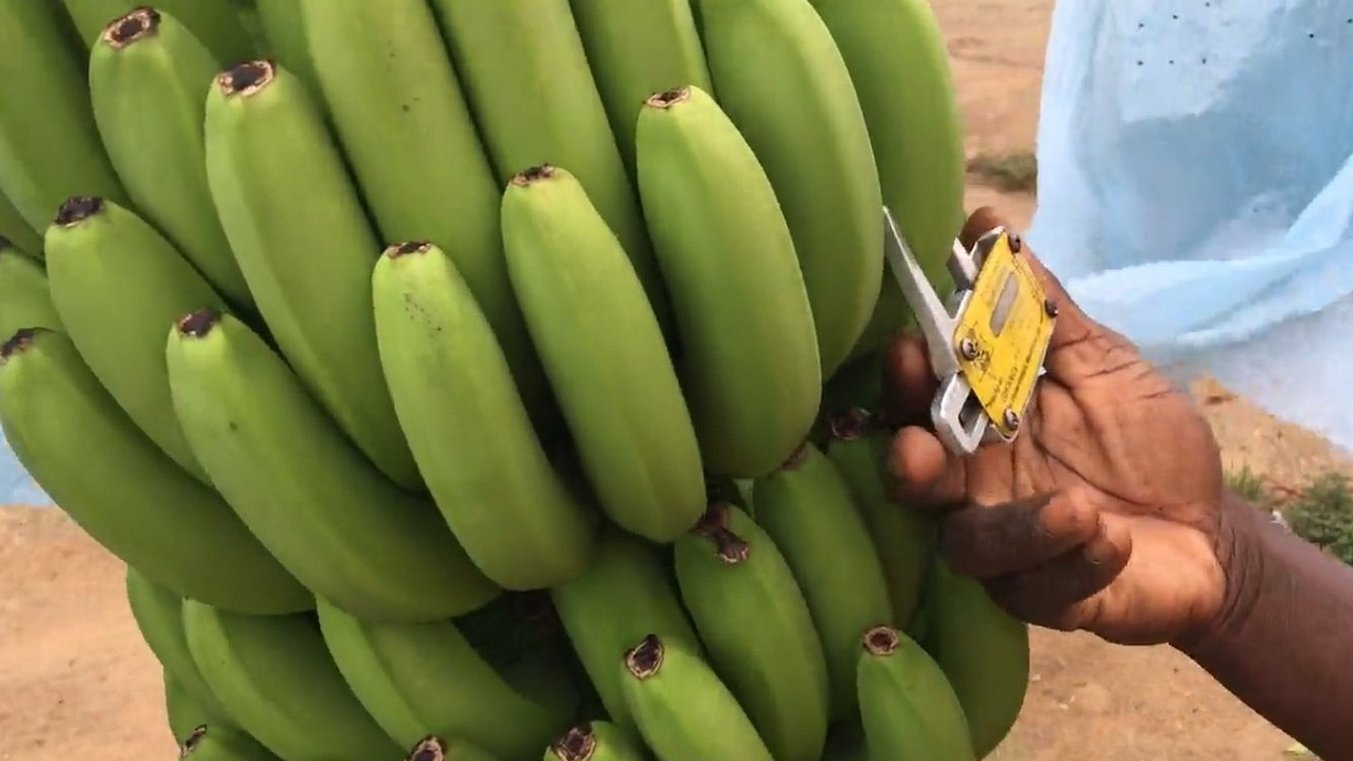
pixel 1195 192
pixel 1196 188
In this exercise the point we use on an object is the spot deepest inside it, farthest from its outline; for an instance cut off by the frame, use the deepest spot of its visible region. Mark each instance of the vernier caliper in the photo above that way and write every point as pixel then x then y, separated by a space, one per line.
pixel 987 343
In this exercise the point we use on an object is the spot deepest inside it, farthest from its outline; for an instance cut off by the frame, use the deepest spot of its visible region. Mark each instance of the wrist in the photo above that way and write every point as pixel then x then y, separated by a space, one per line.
pixel 1239 545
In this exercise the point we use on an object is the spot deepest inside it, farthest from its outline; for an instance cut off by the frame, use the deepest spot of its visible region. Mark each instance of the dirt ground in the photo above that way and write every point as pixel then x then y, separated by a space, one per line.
pixel 77 682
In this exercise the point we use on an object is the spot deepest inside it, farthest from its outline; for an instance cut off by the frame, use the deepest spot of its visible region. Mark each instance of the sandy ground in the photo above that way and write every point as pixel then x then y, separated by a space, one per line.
pixel 77 682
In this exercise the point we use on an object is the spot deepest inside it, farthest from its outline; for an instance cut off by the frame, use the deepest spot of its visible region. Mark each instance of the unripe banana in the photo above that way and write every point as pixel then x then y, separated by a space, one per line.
pixel 49 144
pixel 780 78
pixel 211 742
pixel 275 677
pixel 468 428
pixel 626 575
pixel 899 63
pixel 749 361
pixel 682 708
pixel 909 709
pixel 183 712
pixel 808 511
pixel 148 79
pixel 326 513
pixel 118 286
pixel 158 613
pixel 398 109
pixel 637 48
pixel 903 536
pixel 296 224
pixel 25 296
pixel 283 27
pixel 594 741
pixel 624 406
pixel 215 22
pixel 122 490
pixel 433 748
pixel 14 229
pixel 752 617
pixel 983 651
pixel 526 77
pixel 421 679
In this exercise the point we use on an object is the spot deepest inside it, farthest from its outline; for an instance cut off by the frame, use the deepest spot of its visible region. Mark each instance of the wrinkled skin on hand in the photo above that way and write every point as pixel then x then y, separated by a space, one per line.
pixel 1105 514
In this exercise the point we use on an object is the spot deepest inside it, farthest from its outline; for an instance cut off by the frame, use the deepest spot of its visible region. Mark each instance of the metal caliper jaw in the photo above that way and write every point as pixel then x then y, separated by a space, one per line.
pixel 958 417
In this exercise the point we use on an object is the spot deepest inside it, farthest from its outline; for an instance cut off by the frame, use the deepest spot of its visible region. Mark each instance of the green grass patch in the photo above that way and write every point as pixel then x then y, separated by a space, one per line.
pixel 1016 171
pixel 1323 515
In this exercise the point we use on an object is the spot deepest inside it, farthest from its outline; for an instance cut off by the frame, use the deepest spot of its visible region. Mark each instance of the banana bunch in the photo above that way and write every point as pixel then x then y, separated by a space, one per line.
pixel 466 380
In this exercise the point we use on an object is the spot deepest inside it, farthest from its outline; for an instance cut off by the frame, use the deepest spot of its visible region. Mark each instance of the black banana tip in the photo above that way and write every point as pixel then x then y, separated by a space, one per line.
pixel 534 174
pixel 851 424
pixel 668 98
pixel 247 78
pixel 644 660
pixel 137 24
pixel 714 526
pixel 198 323
pixel 193 740
pixel 430 748
pixel 408 247
pixel 881 640
pixel 77 209
pixel 18 343
pixel 577 744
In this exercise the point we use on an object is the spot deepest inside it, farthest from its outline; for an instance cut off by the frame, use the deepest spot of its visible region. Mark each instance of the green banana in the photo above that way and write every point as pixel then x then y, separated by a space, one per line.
pixel 983 651
pixel 626 576
pixel 326 513
pixel 624 406
pixel 751 615
pixel 433 748
pixel 808 511
pixel 213 742
pixel 781 79
pixel 526 77
pixel 158 613
pixel 398 109
pixel 283 26
pixel 594 741
pixel 14 229
pixel 118 286
pixel 903 536
pixel 215 22
pixel 182 712
pixel 899 62
pixel 750 362
pixel 421 679
pixel 25 296
pixel 909 709
pixel 122 490
pixel 296 224
pixel 148 79
pixel 496 487
pixel 49 144
pixel 637 48
pixel 682 708
pixel 275 677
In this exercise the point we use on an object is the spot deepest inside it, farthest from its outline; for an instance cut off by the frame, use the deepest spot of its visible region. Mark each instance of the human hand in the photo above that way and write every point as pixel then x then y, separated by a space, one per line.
pixel 1104 514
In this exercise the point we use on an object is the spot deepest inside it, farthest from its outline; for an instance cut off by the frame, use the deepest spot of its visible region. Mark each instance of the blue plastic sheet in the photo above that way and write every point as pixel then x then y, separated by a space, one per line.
pixel 1196 188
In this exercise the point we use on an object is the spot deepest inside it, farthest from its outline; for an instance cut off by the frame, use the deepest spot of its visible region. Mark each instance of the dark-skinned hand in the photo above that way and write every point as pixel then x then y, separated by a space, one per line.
pixel 1105 513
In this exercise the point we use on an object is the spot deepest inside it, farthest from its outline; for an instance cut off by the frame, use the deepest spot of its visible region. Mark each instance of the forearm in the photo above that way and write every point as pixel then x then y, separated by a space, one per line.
pixel 1284 644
